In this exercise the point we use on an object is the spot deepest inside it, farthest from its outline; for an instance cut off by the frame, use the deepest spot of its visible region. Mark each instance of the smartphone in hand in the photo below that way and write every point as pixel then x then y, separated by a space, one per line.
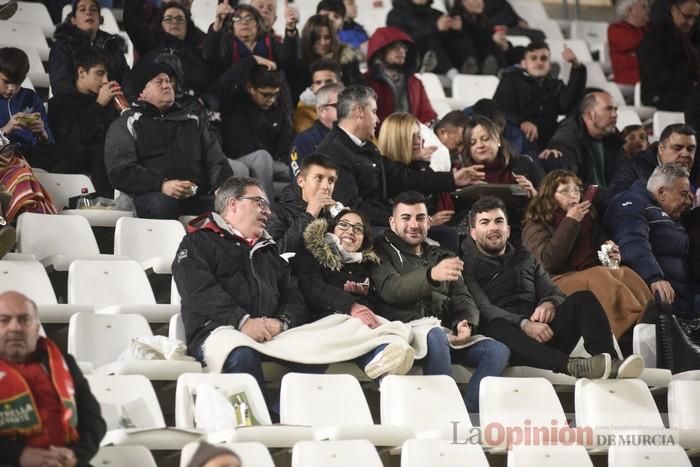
pixel 590 193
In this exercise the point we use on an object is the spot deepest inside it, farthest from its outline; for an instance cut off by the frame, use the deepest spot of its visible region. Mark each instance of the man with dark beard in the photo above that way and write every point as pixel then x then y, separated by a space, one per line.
pixel 521 306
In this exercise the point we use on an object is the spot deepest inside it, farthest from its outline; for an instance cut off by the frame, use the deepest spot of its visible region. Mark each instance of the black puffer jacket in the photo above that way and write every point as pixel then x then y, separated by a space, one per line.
pixel 221 279
pixel 68 39
pixel 510 286
pixel 322 274
pixel 418 21
pixel 403 284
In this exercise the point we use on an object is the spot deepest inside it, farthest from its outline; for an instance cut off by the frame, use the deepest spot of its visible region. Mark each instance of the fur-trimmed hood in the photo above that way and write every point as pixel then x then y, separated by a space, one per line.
pixel 315 241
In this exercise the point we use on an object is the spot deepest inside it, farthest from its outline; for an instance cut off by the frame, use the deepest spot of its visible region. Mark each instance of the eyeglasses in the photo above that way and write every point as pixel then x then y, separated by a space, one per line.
pixel 174 19
pixel 243 19
pixel 570 191
pixel 357 229
pixel 262 202
pixel 268 96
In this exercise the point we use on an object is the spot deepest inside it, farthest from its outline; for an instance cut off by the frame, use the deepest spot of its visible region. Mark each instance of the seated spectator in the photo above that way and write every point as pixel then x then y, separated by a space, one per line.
pixel 590 144
pixel 298 207
pixel 644 221
pixel 524 309
pixel 49 415
pixel 677 145
pixel 352 33
pixel 255 127
pixel 333 269
pixel 510 133
pixel 229 273
pixel 636 141
pixel 532 99
pixel 391 56
pixel 366 180
pixel 624 39
pixel 173 33
pixel 241 33
pixel 564 233
pixel 501 13
pixel 668 57
pixel 324 71
pixel 208 455
pixel 494 164
pixel 83 116
pixel 450 130
pixel 23 119
pixel 308 140
pixel 318 41
pixel 82 29
pixel 161 155
pixel 415 280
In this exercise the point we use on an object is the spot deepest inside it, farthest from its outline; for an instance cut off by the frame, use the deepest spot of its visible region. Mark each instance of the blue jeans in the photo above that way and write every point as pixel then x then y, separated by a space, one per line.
pixel 488 358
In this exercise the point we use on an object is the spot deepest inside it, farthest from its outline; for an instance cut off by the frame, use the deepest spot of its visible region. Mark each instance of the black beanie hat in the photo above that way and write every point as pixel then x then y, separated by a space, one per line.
pixel 206 452
pixel 144 71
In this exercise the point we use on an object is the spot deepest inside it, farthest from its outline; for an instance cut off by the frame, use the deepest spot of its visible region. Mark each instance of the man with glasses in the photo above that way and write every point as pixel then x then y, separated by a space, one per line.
pixel 48 416
pixel 323 72
pixel 255 126
pixel 532 98
pixel 160 154
pixel 229 273
pixel 391 60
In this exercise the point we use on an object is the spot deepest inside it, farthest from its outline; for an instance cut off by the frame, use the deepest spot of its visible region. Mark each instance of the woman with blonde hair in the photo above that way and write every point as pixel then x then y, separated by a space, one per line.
pixel 564 234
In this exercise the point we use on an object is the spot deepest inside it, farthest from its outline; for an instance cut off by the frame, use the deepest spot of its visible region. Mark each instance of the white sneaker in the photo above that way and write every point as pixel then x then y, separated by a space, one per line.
pixel 629 368
pixel 395 359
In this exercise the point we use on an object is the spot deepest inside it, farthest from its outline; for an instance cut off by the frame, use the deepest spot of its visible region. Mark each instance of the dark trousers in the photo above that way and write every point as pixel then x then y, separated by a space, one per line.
pixel 160 206
pixel 579 316
pixel 66 157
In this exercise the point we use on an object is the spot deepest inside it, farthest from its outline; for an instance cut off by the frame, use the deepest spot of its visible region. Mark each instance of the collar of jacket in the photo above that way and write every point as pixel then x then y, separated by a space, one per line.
pixel 315 242
pixel 400 247
pixel 215 223
pixel 470 250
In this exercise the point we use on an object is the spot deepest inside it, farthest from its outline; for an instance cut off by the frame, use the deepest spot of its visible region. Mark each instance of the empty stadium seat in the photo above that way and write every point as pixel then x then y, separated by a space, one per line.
pixel 151 242
pixel 253 453
pixel 648 456
pixel 467 89
pixel 626 117
pixel 594 33
pixel 662 119
pixel 123 456
pixel 431 406
pixel 100 339
pixel 23 35
pixel 272 436
pixel 335 454
pixel 518 402
pixel 203 12
pixel 57 241
pixel 580 48
pixel 530 10
pixel 549 456
pixel 313 400
pixel 549 27
pixel 441 453
pixel 684 411
pixel 644 343
pixel 35 13
pixel 133 415
pixel 116 287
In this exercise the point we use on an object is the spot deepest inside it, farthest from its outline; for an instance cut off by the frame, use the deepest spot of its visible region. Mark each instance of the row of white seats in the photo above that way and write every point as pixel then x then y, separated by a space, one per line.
pixel 420 407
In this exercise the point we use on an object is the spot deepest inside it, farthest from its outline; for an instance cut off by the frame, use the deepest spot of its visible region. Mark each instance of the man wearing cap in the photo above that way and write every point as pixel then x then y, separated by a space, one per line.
pixel 161 155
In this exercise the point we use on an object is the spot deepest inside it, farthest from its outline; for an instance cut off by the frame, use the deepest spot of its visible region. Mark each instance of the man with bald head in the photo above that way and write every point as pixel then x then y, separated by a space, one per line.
pixel 589 142
pixel 48 416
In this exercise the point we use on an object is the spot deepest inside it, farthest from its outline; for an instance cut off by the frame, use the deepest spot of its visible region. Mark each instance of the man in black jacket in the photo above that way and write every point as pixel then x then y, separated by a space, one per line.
pixel 229 272
pixel 366 179
pixel 300 205
pixel 48 416
pixel 524 309
pixel 162 155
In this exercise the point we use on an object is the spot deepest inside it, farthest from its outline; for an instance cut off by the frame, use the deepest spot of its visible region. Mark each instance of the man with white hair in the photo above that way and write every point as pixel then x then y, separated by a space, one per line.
pixel 624 38
pixel 644 222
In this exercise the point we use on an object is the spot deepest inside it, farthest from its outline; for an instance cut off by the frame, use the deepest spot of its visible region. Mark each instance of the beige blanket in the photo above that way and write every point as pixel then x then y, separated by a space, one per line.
pixel 335 338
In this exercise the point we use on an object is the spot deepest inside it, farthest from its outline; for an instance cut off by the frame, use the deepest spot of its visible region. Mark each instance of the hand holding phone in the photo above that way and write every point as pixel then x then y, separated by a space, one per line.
pixel 590 193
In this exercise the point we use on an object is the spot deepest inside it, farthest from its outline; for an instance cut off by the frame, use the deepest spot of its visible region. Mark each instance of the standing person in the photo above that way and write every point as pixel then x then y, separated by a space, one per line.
pixel 624 38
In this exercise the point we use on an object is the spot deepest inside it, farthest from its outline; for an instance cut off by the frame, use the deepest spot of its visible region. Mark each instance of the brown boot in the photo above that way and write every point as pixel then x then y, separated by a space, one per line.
pixel 5 199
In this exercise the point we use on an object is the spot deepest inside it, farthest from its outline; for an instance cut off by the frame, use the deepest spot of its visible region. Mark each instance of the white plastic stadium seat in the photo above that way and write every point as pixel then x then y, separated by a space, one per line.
pixel 433 86
pixel 123 456
pixel 335 454
pixel 23 35
pixel 627 117
pixel 580 48
pixel 253 454
pixel 467 89
pixel 35 13
pixel 151 242
pixel 662 119
pixel 648 456
pixel 530 10
pixel 272 436
pixel 549 456
pixel 684 411
pixel 548 26
pixel 133 415
pixel 100 339
pixel 312 400
pixel 441 453
pixel 594 33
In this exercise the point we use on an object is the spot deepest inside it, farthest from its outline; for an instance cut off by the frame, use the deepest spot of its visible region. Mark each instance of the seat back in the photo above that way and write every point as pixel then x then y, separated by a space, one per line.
pixel 549 456
pixel 307 399
pixel 683 404
pixel 422 403
pixel 253 454
pixel 627 117
pixel 105 283
pixel 127 397
pixel 335 454
pixel 662 119
pixel 519 402
pixel 62 187
pixel 594 33
pixel 23 35
pixel 176 328
pixel 29 278
pixel 441 453
pixel 433 86
pixel 123 456
pixel 35 13
pixel 100 338
pixel 648 456
pixel 549 27
pixel 468 89
pixel 529 10
pixel 45 235
pixel 144 239
pixel 580 48
pixel 186 392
